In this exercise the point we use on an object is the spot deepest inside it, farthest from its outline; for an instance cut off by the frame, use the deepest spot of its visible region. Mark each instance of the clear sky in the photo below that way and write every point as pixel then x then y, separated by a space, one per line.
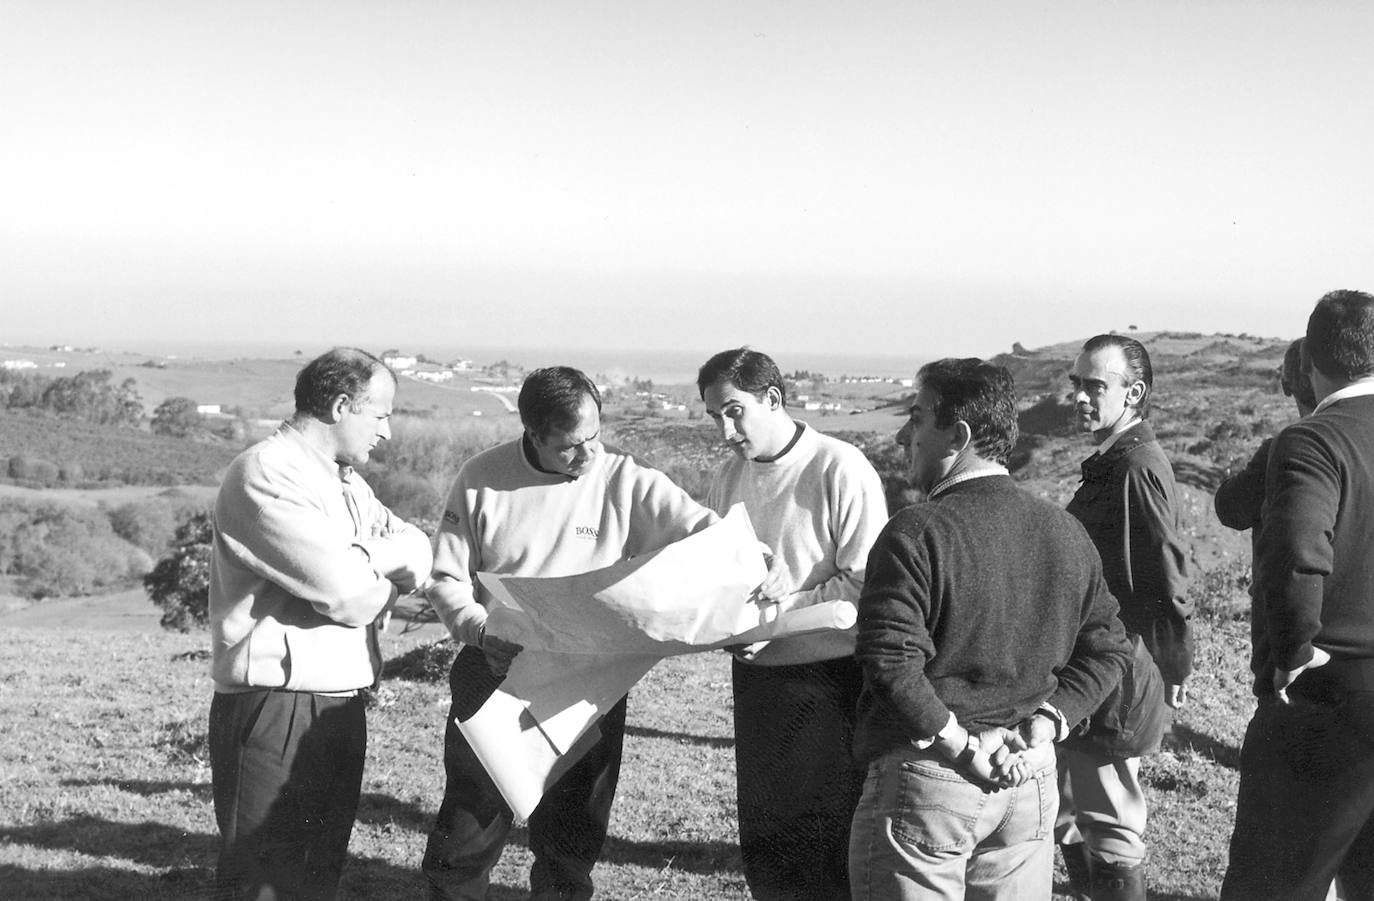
pixel 904 177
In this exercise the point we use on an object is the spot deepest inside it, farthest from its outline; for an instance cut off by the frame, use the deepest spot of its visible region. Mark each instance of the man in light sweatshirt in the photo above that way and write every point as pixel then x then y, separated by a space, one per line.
pixel 818 504
pixel 305 561
pixel 553 502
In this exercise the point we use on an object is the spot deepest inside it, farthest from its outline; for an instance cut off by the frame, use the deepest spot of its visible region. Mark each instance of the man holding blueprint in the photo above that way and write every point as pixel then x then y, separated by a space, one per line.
pixel 552 503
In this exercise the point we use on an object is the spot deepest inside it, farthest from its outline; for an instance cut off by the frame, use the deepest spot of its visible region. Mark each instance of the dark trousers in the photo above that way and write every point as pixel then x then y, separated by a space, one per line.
pixel 1306 800
pixel 797 781
pixel 287 769
pixel 566 831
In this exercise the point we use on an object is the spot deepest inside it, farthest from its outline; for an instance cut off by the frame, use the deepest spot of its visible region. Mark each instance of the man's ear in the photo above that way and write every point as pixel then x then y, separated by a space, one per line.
pixel 961 437
pixel 1135 393
pixel 337 407
pixel 774 398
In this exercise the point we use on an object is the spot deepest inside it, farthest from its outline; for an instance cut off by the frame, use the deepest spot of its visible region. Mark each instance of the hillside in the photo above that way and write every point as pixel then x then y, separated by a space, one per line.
pixel 1215 398
pixel 118 454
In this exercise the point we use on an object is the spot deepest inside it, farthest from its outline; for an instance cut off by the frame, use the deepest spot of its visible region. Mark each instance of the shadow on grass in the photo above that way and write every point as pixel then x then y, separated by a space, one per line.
pixel 103 883
pixel 1062 890
pixel 152 844
pixel 706 858
pixel 187 858
pixel 1185 738
pixel 145 787
pixel 383 809
pixel 707 741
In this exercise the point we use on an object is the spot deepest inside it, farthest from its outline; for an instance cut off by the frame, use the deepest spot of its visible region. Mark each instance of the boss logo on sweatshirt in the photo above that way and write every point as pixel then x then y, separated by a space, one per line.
pixel 588 532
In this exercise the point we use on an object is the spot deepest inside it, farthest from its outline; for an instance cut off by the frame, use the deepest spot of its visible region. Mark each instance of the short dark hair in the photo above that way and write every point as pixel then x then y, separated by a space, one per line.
pixel 342 370
pixel 1293 377
pixel 1340 335
pixel 1138 367
pixel 748 370
pixel 979 393
pixel 551 398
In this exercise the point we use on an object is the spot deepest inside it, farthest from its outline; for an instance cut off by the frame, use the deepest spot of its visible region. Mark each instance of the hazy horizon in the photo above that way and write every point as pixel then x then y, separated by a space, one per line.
pixel 908 177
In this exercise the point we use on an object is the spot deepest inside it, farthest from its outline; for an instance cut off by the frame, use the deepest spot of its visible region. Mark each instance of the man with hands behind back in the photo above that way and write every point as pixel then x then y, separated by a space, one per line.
pixel 985 631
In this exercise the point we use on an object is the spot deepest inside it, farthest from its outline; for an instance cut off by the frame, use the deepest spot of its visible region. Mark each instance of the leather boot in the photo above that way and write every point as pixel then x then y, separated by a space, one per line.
pixel 1076 865
pixel 1118 882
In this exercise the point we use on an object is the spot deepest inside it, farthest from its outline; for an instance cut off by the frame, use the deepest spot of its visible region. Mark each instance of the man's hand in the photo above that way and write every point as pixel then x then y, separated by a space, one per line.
pixel 1037 729
pixel 774 588
pixel 995 761
pixel 499 653
pixel 1285 677
pixel 1176 695
pixel 392 560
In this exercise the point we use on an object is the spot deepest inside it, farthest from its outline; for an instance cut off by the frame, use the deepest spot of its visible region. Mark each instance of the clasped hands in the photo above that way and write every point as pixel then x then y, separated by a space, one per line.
pixel 992 759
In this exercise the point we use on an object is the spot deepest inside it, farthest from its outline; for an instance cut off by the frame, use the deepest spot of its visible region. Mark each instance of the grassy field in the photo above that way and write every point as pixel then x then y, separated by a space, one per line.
pixel 104 786
pixel 106 791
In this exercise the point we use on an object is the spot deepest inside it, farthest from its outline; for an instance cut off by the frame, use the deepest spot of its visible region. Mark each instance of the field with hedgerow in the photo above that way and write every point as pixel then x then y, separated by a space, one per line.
pixel 104 783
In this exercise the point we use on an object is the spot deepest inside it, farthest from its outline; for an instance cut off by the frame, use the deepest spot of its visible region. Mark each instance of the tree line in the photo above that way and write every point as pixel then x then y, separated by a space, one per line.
pixel 88 396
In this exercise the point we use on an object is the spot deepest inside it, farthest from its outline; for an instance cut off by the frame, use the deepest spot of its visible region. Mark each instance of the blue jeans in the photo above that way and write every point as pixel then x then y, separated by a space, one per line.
pixel 923 831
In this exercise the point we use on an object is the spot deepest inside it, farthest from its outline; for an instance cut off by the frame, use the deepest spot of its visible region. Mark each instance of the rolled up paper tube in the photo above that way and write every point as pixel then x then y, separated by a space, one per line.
pixel 821 617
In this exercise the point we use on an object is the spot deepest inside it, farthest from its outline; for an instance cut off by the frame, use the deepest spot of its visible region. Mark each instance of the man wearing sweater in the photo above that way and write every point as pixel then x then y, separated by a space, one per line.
pixel 1129 505
pixel 305 561
pixel 553 502
pixel 985 631
pixel 818 504
pixel 1305 810
pixel 1239 501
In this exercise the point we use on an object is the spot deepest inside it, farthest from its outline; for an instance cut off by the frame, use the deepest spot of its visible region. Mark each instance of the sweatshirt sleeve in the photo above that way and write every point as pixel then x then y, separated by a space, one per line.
pixel 858 512
pixel 894 643
pixel 1295 550
pixel 457 555
pixel 1240 498
pixel 661 512
pixel 275 525
pixel 405 547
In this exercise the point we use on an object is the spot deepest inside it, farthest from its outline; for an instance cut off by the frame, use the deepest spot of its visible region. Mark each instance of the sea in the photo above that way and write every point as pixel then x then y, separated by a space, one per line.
pixel 662 367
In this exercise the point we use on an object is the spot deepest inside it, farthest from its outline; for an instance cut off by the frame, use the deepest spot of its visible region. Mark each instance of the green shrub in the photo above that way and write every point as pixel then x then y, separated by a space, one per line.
pixel 44 472
pixel 176 417
pixel 410 496
pixel 426 663
pixel 180 582
pixel 149 524
pixel 33 470
pixel 412 472
pixel 61 550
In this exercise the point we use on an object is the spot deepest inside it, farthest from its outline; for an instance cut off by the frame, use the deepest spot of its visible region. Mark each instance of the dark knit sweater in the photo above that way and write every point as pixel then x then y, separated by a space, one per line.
pixel 1316 546
pixel 1129 504
pixel 984 602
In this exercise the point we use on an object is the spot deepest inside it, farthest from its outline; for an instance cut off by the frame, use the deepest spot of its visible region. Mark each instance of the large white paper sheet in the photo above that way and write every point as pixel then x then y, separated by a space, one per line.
pixel 589 638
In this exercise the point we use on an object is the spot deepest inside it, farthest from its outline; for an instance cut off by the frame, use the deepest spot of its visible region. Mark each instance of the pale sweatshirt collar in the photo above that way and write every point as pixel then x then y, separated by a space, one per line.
pixel 330 466
pixel 789 453
pixel 991 469
pixel 1362 388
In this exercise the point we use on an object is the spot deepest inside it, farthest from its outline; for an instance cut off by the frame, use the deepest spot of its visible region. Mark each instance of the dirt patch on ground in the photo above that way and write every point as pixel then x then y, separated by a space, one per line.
pixel 93 497
pixel 125 611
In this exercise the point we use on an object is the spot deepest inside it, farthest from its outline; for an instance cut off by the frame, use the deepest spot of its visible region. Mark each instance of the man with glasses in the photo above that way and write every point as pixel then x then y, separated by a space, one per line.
pixel 1128 503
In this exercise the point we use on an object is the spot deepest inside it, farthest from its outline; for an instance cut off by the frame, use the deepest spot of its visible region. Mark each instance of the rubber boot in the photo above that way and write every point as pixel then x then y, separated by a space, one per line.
pixel 1076 865
pixel 1118 882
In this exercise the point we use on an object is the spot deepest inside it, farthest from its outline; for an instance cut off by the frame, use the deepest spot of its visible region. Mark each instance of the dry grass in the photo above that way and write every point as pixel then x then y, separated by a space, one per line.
pixel 106 790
